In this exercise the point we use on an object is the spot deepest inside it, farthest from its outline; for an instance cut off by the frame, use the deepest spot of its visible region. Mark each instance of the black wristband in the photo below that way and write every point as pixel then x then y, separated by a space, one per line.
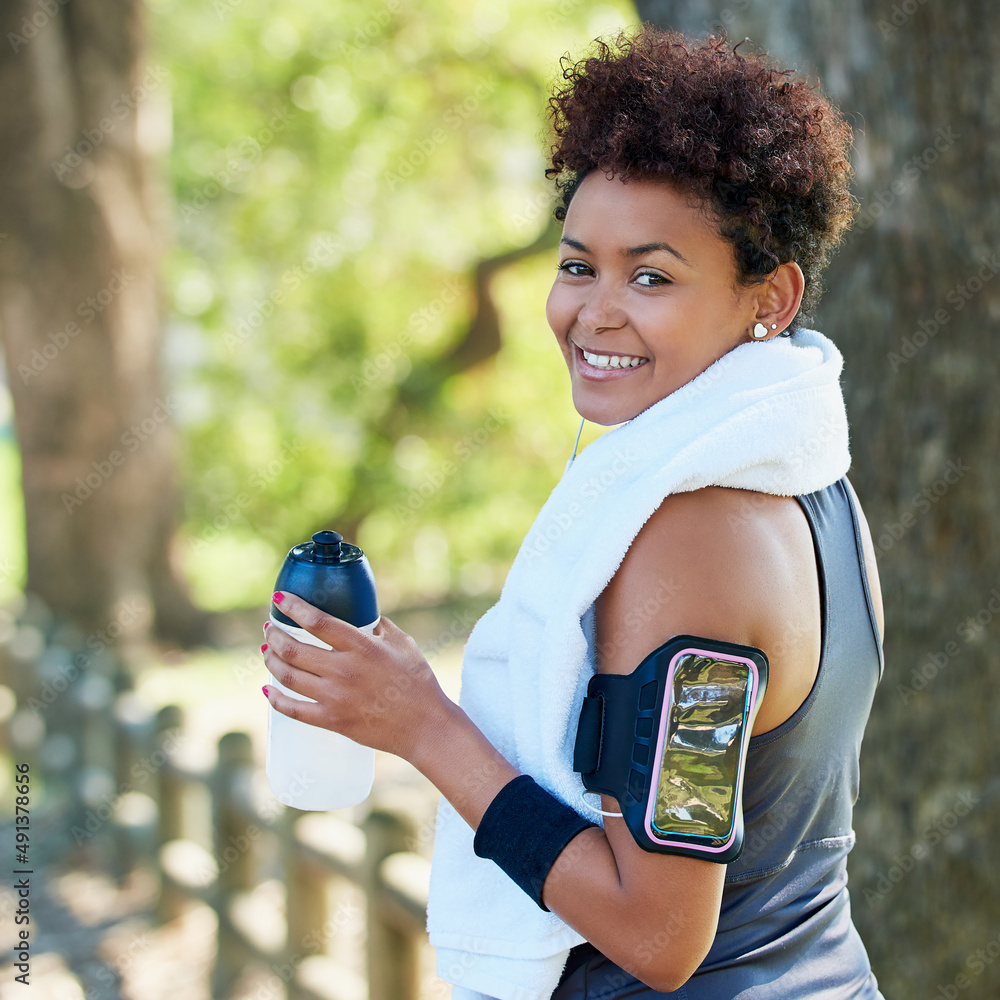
pixel 524 830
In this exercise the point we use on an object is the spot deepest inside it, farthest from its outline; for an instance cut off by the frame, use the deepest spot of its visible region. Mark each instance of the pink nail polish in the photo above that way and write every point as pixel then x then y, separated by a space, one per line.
pixel 264 647
pixel 266 625
pixel 277 597
pixel 264 689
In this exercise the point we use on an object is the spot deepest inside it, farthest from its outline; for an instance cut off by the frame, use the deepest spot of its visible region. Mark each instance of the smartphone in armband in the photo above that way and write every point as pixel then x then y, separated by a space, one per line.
pixel 669 741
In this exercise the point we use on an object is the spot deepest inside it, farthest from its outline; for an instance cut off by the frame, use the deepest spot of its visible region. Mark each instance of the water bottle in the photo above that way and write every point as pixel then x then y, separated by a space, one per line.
pixel 309 767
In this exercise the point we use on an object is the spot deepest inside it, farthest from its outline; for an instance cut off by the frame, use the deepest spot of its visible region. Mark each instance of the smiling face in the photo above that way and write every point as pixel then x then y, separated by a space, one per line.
pixel 646 296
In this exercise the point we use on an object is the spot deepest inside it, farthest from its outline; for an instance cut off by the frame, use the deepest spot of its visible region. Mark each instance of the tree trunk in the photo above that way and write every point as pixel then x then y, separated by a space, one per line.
pixel 912 300
pixel 81 120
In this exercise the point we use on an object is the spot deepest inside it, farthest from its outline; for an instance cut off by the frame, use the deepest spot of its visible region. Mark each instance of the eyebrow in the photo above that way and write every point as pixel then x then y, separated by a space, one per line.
pixel 631 251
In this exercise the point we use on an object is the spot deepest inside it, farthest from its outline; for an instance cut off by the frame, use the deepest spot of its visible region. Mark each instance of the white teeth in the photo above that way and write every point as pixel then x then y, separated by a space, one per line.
pixel 613 360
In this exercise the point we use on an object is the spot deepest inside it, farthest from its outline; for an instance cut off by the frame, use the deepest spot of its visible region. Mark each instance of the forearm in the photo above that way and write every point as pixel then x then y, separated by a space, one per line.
pixel 635 925
pixel 458 759
pixel 657 923
pixel 455 755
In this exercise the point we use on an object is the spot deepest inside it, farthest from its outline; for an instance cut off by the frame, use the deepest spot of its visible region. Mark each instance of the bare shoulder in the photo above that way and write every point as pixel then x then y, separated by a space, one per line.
pixel 726 564
pixel 716 558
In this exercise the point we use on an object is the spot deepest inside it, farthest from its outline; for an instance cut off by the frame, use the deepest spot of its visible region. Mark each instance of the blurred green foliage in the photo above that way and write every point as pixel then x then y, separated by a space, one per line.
pixel 337 170
pixel 12 555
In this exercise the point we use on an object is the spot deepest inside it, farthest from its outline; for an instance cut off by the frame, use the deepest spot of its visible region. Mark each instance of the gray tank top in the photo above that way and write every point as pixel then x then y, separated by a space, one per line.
pixel 785 928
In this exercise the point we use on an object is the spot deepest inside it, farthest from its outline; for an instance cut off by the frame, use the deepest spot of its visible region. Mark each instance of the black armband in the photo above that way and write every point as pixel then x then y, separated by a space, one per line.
pixel 524 830
pixel 669 741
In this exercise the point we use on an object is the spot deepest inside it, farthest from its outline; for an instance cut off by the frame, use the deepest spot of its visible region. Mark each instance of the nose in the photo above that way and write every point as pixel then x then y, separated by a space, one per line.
pixel 601 308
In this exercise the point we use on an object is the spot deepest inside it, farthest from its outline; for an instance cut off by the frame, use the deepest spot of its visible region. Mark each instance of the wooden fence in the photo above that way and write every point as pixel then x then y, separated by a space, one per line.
pixel 73 717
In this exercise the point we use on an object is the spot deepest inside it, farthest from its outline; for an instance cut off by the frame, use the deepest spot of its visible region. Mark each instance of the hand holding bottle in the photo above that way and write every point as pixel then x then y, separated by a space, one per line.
pixel 376 689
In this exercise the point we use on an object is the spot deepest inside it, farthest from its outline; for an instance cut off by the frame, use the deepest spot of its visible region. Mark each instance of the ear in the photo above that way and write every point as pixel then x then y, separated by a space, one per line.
pixel 779 297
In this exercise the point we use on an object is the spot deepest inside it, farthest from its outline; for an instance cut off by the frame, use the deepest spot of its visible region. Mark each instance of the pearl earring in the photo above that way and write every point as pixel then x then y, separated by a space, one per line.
pixel 759 331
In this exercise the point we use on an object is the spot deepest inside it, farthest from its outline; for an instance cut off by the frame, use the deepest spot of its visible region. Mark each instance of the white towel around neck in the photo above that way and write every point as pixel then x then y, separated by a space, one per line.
pixel 767 416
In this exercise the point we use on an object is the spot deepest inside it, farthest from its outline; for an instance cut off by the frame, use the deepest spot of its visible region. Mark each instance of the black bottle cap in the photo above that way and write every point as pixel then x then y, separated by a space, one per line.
pixel 331 574
pixel 326 546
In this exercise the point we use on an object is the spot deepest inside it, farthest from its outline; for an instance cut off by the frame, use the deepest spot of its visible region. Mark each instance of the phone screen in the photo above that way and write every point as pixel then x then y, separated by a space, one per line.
pixel 709 702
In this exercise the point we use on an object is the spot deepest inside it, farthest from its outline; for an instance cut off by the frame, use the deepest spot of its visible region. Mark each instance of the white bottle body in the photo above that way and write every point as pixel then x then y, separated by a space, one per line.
pixel 309 767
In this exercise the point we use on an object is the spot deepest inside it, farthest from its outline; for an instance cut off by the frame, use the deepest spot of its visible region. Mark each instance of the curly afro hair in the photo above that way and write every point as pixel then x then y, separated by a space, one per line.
pixel 765 152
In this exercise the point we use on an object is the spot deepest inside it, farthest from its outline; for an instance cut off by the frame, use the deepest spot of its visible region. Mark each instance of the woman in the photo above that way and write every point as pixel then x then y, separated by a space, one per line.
pixel 702 192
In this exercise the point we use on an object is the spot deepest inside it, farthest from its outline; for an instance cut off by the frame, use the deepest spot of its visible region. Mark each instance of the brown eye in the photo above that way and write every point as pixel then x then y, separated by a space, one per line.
pixel 660 279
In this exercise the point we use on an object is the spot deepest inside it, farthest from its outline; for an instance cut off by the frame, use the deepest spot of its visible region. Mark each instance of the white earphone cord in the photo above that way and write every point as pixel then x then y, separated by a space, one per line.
pixel 576 443
pixel 603 812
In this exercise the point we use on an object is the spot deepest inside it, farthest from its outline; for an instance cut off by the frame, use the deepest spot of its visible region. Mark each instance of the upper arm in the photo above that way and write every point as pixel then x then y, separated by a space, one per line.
pixel 682 575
